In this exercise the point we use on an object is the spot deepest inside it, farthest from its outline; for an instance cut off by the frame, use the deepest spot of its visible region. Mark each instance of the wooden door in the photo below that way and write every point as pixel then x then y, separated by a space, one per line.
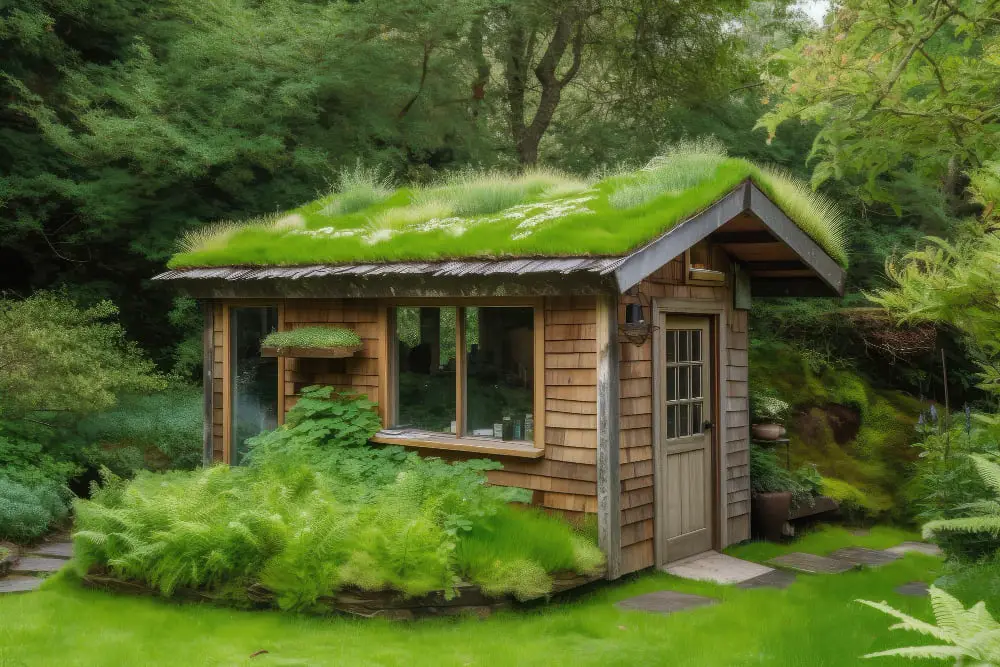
pixel 684 460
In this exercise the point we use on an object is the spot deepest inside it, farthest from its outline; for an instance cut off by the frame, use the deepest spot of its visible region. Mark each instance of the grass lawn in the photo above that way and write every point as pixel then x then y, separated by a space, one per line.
pixel 814 622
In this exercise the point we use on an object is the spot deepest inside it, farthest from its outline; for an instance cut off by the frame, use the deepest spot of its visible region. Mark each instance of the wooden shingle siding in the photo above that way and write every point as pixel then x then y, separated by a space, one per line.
pixel 218 380
pixel 737 417
pixel 357 374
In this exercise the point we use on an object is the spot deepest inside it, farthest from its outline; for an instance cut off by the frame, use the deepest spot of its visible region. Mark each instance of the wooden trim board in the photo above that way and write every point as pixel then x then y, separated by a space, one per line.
pixel 208 363
pixel 608 454
pixel 486 447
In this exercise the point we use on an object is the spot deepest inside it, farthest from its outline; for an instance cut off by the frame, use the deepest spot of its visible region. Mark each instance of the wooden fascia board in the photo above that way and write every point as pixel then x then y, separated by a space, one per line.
pixel 746 197
pixel 652 256
pixel 790 234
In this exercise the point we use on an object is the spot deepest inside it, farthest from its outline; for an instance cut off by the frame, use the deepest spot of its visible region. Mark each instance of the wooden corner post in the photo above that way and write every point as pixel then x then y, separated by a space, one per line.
pixel 608 465
pixel 208 362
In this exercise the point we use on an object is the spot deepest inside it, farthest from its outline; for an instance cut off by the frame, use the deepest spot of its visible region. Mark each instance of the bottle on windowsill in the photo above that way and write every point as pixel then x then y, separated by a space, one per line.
pixel 508 428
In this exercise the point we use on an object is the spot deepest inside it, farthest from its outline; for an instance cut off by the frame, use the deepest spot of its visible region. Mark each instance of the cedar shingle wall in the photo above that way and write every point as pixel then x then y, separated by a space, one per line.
pixel 218 379
pixel 735 403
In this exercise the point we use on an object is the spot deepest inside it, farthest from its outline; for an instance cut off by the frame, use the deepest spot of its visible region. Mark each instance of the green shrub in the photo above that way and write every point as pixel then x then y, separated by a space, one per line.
pixel 152 432
pixel 317 509
pixel 27 512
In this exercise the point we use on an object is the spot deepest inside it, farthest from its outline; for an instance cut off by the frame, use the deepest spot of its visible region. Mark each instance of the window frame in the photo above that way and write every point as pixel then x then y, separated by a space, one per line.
pixel 389 380
pixel 227 374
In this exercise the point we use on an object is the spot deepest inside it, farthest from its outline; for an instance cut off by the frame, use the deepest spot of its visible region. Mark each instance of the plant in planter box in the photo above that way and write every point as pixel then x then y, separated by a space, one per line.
pixel 777 490
pixel 767 412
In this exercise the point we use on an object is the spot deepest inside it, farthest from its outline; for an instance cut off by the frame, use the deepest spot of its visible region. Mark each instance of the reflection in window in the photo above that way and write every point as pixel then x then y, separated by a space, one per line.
pixel 685 374
pixel 425 345
pixel 254 379
pixel 500 361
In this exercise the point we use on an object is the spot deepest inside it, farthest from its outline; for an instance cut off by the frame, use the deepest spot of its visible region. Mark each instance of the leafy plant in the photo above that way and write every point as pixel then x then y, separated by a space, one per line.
pixel 318 337
pixel 768 475
pixel 27 512
pixel 767 407
pixel 966 636
pixel 317 509
pixel 982 516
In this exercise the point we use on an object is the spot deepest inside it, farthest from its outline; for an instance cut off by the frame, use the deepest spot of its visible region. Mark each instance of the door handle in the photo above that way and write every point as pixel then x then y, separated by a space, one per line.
pixel 707 425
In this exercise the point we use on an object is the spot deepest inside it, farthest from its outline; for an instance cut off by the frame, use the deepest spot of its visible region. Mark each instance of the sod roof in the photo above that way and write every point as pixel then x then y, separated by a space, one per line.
pixel 491 215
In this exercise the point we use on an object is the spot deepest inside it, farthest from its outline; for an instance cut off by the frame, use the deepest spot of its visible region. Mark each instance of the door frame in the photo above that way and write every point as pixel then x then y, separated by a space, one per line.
pixel 717 314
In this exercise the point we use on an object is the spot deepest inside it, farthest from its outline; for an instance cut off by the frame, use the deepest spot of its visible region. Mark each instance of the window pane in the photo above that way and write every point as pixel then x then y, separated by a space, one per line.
pixel 696 345
pixel 671 346
pixel 254 381
pixel 682 346
pixel 672 421
pixel 683 390
pixel 672 384
pixel 696 419
pixel 500 353
pixel 696 381
pixel 683 424
pixel 425 345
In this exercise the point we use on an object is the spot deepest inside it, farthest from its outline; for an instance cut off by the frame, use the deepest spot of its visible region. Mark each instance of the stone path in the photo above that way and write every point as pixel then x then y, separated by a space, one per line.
pixel 811 563
pixel 773 579
pixel 30 569
pixel 718 568
pixel 665 602
pixel 914 589
pixel 863 556
pixel 918 547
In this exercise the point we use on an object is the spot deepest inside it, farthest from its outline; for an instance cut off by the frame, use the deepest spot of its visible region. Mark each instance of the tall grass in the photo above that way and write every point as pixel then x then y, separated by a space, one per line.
pixel 679 168
pixel 357 188
pixel 472 193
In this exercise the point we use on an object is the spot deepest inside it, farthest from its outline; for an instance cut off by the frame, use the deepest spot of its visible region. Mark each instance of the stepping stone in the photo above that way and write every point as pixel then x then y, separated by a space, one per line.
pixel 918 547
pixel 811 563
pixel 54 550
pixel 773 579
pixel 863 556
pixel 665 602
pixel 19 584
pixel 716 567
pixel 37 564
pixel 914 589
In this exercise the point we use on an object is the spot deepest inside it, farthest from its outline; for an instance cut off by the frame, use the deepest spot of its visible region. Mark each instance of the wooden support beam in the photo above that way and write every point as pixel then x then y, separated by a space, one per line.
pixel 608 466
pixel 208 362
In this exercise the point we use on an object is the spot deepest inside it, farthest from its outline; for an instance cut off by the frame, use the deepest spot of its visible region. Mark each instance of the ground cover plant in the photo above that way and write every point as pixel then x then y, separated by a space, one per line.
pixel 814 622
pixel 539 212
pixel 27 512
pixel 317 337
pixel 318 509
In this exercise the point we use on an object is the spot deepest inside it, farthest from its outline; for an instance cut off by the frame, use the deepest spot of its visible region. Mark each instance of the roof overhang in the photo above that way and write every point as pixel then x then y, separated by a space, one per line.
pixel 780 259
pixel 797 265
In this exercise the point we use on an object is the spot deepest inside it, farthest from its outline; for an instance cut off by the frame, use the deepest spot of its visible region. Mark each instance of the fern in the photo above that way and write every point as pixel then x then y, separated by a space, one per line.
pixel 988 522
pixel 965 634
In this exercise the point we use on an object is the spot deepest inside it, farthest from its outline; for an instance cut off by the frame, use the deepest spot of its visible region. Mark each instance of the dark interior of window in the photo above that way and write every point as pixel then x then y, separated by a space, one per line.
pixel 254 379
pixel 425 349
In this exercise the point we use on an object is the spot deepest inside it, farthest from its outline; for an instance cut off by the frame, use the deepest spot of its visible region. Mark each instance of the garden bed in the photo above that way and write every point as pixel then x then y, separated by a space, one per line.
pixel 468 600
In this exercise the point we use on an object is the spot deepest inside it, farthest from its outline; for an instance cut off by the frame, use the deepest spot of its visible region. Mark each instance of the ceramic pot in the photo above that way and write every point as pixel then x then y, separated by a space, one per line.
pixel 770 512
pixel 767 431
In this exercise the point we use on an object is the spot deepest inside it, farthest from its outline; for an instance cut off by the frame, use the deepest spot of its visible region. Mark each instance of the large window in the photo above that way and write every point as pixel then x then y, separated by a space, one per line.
pixel 253 389
pixel 466 371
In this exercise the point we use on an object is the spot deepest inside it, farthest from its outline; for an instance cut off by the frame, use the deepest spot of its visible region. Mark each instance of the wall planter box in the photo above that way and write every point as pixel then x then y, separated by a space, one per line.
pixel 468 600
pixel 310 352
pixel 770 513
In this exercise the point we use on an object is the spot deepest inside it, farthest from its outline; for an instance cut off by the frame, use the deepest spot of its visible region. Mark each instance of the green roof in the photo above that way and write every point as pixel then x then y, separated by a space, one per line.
pixel 313 337
pixel 476 215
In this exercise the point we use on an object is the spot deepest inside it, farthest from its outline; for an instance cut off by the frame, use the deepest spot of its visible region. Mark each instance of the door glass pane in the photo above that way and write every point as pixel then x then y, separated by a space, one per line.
pixel 500 358
pixel 254 379
pixel 683 423
pixel 671 346
pixel 683 354
pixel 683 387
pixel 696 381
pixel 696 345
pixel 425 347
pixel 671 421
pixel 696 419
pixel 672 384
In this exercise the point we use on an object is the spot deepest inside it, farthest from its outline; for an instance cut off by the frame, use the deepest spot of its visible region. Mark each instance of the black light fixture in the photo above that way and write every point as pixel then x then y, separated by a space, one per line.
pixel 634 314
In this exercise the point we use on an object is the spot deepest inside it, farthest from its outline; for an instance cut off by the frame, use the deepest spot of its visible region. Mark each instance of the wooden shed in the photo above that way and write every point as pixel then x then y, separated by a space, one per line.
pixel 608 383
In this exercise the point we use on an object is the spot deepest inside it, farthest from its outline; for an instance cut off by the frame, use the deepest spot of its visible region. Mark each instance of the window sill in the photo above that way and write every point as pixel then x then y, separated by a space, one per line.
pixel 486 446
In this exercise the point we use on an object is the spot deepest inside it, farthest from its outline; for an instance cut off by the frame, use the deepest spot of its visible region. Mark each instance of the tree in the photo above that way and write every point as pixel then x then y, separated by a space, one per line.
pixel 58 358
pixel 903 95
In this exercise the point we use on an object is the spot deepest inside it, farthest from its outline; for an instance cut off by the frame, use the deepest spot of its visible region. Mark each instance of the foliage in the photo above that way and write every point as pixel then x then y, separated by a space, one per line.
pixel 27 512
pixel 981 517
pixel 35 454
pixel 58 357
pixel 766 407
pixel 317 509
pixel 319 337
pixel 964 634
pixel 541 213
pixel 154 432
pixel 899 92
pixel 768 475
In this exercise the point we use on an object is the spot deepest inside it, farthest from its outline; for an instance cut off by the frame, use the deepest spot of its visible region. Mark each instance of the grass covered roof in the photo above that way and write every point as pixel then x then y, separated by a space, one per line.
pixel 474 215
